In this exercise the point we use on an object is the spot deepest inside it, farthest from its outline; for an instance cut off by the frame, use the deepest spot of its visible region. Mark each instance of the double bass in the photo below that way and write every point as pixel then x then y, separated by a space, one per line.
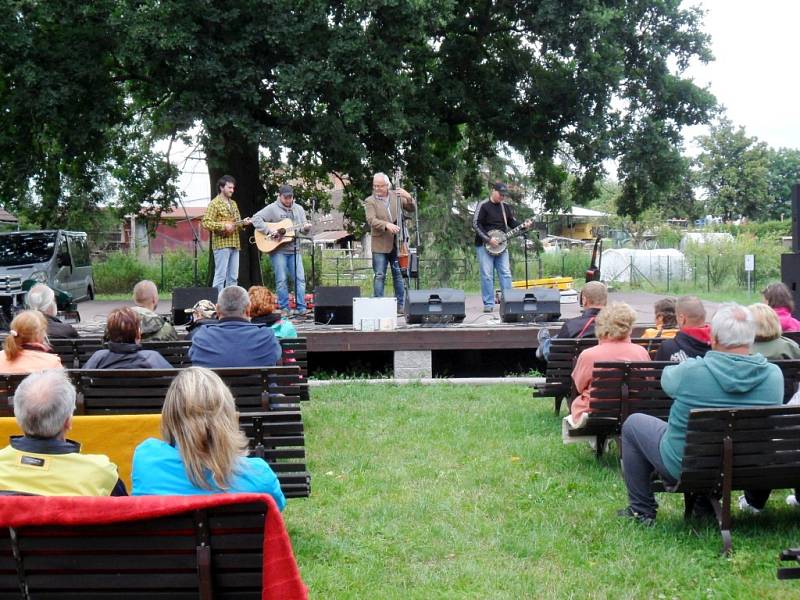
pixel 401 239
pixel 593 272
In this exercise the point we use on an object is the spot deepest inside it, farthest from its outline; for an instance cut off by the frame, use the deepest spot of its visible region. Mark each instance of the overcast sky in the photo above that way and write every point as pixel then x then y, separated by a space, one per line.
pixel 755 76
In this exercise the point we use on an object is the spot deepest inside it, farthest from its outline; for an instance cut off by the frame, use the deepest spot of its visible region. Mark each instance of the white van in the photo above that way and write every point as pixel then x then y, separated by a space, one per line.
pixel 56 257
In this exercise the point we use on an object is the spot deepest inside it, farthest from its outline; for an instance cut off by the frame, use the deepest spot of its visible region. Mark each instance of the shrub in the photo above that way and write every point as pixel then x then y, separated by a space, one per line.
pixel 119 273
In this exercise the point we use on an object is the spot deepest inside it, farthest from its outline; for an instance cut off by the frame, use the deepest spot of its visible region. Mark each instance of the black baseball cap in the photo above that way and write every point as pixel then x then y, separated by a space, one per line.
pixel 286 190
pixel 500 187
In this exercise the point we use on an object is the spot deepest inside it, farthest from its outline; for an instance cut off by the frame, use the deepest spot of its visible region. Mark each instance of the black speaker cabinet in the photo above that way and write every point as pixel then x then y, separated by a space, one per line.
pixel 183 298
pixel 795 219
pixel 334 305
pixel 528 305
pixel 790 275
pixel 440 305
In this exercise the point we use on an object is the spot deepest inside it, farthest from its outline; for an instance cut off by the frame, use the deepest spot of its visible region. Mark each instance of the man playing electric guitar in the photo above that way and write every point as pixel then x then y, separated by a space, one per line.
pixel 285 257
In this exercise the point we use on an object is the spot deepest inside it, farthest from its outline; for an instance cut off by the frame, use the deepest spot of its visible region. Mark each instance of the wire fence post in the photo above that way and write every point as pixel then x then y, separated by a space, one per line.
pixel 708 273
pixel 668 274
pixel 162 271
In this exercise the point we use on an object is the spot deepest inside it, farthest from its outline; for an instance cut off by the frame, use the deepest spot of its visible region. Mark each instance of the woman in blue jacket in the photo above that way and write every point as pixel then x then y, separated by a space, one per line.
pixel 203 450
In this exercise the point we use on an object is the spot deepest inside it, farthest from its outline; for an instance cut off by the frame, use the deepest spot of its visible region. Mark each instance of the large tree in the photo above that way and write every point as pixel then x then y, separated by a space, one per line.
pixel 436 87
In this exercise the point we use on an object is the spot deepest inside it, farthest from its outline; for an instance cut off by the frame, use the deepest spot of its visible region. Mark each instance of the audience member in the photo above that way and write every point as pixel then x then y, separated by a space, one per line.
pixel 264 311
pixel 234 341
pixel 203 313
pixel 42 298
pixel 593 297
pixel 769 340
pixel 25 349
pixel 43 461
pixel 124 351
pixel 779 298
pixel 202 451
pixel 665 320
pixel 154 327
pixel 694 337
pixel 614 324
pixel 727 376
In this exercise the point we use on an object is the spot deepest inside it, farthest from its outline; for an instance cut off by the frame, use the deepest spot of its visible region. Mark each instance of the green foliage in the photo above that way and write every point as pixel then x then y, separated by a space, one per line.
pixel 447 491
pixel 771 231
pixel 723 263
pixel 118 273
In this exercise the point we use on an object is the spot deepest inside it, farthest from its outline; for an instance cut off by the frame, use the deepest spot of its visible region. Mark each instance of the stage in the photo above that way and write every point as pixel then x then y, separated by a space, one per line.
pixel 480 346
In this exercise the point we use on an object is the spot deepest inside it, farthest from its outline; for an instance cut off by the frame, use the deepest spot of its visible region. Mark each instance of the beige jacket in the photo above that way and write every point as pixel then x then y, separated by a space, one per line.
pixel 378 218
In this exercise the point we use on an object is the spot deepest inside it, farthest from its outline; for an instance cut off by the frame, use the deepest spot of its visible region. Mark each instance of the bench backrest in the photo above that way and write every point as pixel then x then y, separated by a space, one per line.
pixel 620 389
pixel 131 391
pixel 278 438
pixel 214 553
pixel 760 444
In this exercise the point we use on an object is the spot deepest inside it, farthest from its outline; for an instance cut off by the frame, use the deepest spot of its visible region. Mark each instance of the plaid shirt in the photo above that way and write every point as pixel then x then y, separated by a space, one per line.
pixel 220 212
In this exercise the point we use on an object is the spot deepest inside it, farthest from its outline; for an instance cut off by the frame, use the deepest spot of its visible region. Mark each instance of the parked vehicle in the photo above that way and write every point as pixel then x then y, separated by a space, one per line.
pixel 56 257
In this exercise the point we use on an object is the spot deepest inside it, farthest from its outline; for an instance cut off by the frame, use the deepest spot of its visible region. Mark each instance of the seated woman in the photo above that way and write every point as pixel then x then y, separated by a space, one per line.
pixel 124 352
pixel 203 451
pixel 779 298
pixel 264 311
pixel 769 341
pixel 25 349
pixel 613 327
pixel 666 323
pixel 42 298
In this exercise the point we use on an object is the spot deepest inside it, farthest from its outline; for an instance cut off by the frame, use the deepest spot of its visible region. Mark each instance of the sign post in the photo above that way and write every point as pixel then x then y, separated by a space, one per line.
pixel 749 267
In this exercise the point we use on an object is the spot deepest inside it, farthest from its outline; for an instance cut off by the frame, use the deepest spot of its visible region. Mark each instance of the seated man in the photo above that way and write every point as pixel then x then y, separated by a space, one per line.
pixel 727 376
pixel 234 341
pixel 42 298
pixel 154 327
pixel 593 297
pixel 694 336
pixel 43 461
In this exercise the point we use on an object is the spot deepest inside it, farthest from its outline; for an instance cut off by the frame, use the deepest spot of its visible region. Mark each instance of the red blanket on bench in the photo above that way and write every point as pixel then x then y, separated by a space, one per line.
pixel 281 576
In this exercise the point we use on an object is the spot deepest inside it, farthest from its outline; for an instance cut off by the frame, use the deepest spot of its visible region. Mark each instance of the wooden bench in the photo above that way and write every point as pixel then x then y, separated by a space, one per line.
pixel 563 355
pixel 215 552
pixel 737 449
pixel 620 389
pixel 278 438
pixel 791 555
pixel 76 351
pixel 131 391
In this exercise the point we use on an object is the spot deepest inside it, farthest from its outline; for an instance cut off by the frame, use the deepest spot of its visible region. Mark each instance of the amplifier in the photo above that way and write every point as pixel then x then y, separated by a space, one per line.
pixel 531 304
pixel 439 305
pixel 334 305
pixel 183 298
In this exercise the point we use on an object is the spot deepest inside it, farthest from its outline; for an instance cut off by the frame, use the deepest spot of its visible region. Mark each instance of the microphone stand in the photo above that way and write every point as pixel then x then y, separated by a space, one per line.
pixel 416 235
pixel 525 245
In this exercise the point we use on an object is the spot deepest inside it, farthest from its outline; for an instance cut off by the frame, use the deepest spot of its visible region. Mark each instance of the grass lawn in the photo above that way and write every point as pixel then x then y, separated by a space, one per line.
pixel 467 492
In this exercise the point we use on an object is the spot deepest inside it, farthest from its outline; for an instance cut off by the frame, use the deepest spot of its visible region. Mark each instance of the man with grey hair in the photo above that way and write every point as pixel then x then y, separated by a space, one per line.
pixel 384 210
pixel 43 461
pixel 154 327
pixel 233 341
pixel 42 298
pixel 727 376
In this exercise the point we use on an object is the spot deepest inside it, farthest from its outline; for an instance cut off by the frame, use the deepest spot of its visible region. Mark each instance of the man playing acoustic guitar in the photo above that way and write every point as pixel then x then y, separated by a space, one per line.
pixel 222 219
pixel 284 257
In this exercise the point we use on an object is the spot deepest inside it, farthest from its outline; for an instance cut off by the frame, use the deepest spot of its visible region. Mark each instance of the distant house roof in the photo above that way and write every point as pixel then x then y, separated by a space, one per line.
pixel 579 211
pixel 194 212
pixel 7 217
pixel 331 236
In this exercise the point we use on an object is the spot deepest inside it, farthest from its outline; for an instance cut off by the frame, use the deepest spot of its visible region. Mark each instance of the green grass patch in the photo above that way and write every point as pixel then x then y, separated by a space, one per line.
pixel 467 492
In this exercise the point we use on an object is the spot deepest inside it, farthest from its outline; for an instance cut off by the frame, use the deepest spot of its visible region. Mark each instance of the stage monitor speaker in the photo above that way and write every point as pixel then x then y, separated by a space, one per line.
pixel 790 275
pixel 439 305
pixel 795 218
pixel 529 305
pixel 334 305
pixel 183 298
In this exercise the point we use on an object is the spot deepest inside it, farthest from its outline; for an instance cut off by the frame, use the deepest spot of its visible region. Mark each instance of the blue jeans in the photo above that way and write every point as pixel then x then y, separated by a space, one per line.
pixel 487 265
pixel 379 262
pixel 226 268
pixel 283 265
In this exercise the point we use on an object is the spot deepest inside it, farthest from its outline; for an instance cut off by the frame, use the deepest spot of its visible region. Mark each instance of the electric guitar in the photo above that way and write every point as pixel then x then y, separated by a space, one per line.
pixel 502 237
pixel 268 244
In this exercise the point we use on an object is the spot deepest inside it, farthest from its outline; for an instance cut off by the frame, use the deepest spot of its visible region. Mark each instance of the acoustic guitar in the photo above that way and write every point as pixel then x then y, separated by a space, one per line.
pixel 285 228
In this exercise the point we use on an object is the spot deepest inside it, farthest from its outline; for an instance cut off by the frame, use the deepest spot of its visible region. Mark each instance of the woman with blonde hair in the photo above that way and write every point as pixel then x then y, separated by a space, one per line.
pixel 613 327
pixel 25 349
pixel 264 311
pixel 203 451
pixel 769 341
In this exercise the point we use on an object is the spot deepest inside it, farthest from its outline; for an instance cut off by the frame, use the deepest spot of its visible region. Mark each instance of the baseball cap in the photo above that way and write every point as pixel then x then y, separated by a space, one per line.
pixel 205 309
pixel 500 187
pixel 286 190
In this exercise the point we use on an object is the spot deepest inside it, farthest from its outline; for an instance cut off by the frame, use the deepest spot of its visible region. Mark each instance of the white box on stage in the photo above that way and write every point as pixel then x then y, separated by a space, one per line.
pixel 374 314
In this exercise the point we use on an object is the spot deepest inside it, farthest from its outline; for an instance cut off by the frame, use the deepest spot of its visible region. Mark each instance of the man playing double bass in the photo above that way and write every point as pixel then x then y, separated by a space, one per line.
pixel 384 216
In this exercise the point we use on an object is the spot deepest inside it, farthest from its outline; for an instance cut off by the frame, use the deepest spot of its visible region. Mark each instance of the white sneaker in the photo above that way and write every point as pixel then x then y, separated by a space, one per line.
pixel 745 507
pixel 791 500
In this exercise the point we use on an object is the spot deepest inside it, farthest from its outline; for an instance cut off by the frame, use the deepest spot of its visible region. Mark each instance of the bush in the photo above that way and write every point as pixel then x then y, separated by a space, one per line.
pixel 119 273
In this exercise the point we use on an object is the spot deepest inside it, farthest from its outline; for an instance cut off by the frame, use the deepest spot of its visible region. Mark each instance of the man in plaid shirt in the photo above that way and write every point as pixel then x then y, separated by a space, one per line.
pixel 223 220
